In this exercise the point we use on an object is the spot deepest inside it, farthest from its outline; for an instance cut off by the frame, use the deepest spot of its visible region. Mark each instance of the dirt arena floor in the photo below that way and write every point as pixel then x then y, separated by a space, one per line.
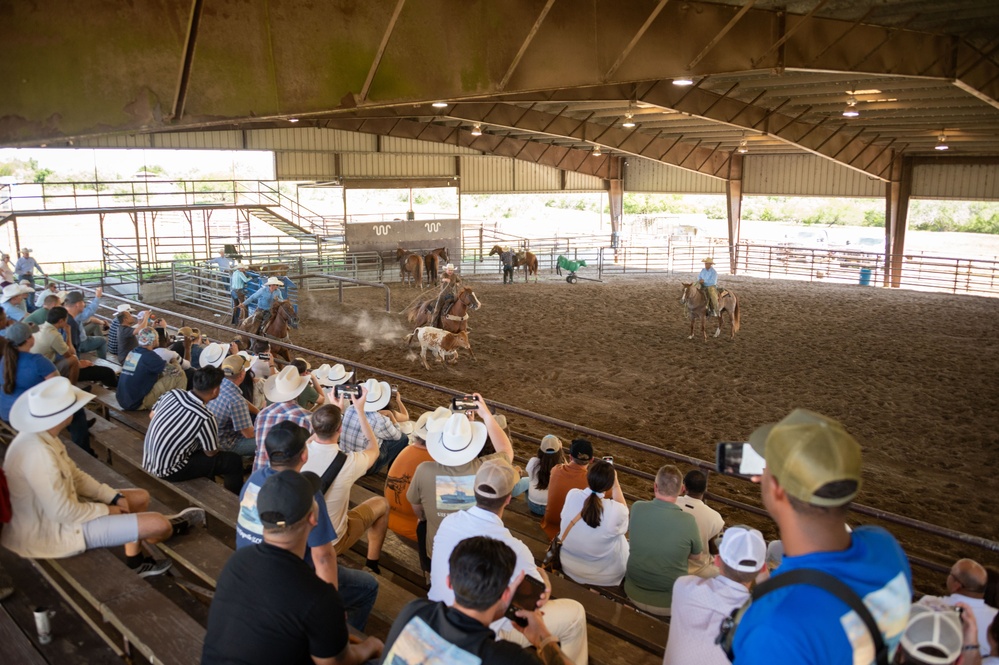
pixel 912 375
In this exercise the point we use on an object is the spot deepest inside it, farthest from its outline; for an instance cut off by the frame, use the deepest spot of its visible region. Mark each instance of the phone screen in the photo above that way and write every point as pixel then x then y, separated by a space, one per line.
pixel 526 597
pixel 739 459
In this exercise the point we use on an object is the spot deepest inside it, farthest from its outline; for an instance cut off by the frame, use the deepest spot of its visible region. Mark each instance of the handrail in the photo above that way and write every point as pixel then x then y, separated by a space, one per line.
pixel 886 516
pixel 349 280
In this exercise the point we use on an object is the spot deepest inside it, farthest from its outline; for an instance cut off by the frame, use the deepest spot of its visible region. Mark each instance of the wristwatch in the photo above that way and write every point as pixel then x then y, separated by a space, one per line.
pixel 114 501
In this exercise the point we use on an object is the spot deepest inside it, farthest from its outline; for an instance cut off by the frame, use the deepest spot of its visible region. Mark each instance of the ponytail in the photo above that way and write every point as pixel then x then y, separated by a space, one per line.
pixel 10 357
pixel 599 478
pixel 593 509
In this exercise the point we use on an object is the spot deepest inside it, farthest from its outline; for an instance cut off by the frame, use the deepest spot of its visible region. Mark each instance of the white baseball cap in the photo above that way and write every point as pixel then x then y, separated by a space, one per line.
pixel 743 549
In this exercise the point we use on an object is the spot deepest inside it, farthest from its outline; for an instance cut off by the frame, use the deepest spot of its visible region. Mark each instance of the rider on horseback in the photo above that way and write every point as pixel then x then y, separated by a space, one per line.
pixel 263 299
pixel 708 280
pixel 450 285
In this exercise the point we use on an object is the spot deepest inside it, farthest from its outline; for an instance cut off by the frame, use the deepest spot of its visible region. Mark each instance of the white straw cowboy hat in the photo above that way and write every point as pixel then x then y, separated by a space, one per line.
pixel 273 281
pixel 124 307
pixel 329 377
pixel 708 260
pixel 15 290
pixel 440 413
pixel 456 440
pixel 449 267
pixel 46 405
pixel 286 385
pixel 212 355
pixel 379 394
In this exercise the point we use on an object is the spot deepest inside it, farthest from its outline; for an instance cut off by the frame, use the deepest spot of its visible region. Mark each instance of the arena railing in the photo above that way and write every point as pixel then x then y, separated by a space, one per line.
pixel 575 429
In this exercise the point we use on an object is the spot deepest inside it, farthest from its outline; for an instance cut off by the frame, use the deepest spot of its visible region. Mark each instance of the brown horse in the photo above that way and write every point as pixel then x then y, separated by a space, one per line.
pixel 454 319
pixel 522 259
pixel 697 306
pixel 410 267
pixel 433 260
pixel 282 318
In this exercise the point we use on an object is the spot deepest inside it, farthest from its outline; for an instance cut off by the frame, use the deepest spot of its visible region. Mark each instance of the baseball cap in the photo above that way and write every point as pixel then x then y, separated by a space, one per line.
pixel 233 365
pixel 813 458
pixel 285 441
pixel 74 297
pixel 743 549
pixel 495 479
pixel 581 449
pixel 933 636
pixel 286 498
pixel 17 333
pixel 551 444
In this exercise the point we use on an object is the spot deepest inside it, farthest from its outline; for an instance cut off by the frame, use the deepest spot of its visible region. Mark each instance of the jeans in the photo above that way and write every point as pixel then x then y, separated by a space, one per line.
pixel 238 296
pixel 521 486
pixel 245 446
pixel 535 508
pixel 387 452
pixel 98 344
pixel 358 590
pixel 421 545
pixel 225 464
pixel 30 278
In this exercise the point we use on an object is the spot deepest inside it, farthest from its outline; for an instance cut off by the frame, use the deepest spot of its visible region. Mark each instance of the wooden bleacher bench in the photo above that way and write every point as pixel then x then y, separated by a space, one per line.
pixel 15 647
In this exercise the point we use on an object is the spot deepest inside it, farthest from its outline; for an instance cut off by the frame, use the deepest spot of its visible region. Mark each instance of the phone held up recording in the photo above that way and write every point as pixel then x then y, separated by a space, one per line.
pixel 739 459
pixel 526 597
pixel 347 390
pixel 464 403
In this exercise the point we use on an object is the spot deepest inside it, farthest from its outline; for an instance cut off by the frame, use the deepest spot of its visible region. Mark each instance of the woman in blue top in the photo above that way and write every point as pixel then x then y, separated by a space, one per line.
pixel 22 370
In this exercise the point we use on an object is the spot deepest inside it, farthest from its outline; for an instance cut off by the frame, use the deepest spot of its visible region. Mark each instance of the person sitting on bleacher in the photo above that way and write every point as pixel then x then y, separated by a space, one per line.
pixel 41 313
pixel 709 521
pixel 232 411
pixel 287 451
pixel 60 511
pixel 700 604
pixel 84 339
pixel 339 471
pixel 480 574
pixel 145 376
pixel 565 477
pixel 269 606
pixel 384 414
pixel 54 341
pixel 282 389
pixel 594 546
pixel 493 485
pixel 182 440
pixel 187 347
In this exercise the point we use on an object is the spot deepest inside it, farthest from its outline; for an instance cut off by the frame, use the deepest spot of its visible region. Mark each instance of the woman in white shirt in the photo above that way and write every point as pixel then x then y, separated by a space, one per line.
pixel 595 551
pixel 539 469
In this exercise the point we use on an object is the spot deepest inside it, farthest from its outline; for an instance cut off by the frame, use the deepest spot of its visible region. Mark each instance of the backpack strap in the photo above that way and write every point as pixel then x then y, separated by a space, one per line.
pixel 834 586
pixel 333 470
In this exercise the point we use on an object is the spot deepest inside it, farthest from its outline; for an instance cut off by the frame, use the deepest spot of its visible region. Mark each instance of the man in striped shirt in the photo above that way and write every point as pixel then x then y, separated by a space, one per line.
pixel 282 390
pixel 182 439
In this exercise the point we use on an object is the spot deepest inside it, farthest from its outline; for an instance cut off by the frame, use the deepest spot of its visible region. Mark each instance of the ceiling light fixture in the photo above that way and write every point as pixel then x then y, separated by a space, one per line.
pixel 851 108
pixel 477 130
pixel 628 122
pixel 683 80
pixel 941 143
pixel 292 119
pixel 596 151
pixel 439 105
pixel 743 148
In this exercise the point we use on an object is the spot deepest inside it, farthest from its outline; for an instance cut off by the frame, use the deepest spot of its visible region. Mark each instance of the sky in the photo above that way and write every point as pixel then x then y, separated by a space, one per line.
pixel 124 163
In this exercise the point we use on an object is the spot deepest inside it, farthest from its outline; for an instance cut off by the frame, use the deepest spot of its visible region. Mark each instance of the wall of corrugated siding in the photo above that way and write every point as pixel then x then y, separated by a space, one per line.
pixel 582 182
pixel 382 165
pixel 531 177
pixel 221 140
pixel 304 165
pixel 481 175
pixel 394 144
pixel 645 175
pixel 117 141
pixel 805 175
pixel 310 139
pixel 956 181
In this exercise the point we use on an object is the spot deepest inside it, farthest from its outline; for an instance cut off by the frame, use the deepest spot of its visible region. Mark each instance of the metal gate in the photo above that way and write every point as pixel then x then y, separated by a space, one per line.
pixel 208 288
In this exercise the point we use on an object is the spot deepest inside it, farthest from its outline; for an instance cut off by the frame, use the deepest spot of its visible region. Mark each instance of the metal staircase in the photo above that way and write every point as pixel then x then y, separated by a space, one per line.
pixel 271 206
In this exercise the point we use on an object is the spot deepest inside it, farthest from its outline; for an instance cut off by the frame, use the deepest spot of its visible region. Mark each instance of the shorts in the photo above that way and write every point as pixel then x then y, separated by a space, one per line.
pixel 359 520
pixel 111 531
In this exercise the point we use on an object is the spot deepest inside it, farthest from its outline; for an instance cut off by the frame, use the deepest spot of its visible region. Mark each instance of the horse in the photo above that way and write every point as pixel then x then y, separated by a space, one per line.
pixel 454 319
pixel 697 305
pixel 433 260
pixel 522 259
pixel 410 267
pixel 283 317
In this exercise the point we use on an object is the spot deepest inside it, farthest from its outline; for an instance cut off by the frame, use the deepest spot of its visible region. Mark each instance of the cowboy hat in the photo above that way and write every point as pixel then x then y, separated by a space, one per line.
pixel 187 331
pixel 449 267
pixel 708 260
pixel 440 413
pixel 47 405
pixel 286 385
pixel 379 394
pixel 456 440
pixel 212 355
pixel 26 250
pixel 14 290
pixel 273 281
pixel 332 376
pixel 124 307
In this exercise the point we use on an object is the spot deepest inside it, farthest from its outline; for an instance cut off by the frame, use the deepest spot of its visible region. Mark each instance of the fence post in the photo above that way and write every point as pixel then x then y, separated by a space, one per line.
pixel 173 280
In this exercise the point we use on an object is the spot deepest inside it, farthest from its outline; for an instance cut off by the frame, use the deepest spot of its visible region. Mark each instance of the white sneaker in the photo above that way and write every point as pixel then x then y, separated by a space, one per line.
pixel 186 519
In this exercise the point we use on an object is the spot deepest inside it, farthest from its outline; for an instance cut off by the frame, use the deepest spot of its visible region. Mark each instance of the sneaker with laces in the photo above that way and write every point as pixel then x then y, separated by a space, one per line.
pixel 151 567
pixel 187 519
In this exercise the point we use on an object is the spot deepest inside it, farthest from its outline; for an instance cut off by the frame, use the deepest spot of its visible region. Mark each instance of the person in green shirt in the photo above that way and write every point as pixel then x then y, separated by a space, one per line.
pixel 39 316
pixel 663 539
pixel 312 397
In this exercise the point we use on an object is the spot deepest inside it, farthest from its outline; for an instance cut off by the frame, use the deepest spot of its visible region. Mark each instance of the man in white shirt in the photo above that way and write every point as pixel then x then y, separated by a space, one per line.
pixel 494 483
pixel 966 584
pixel 338 477
pixel 709 521
pixel 701 604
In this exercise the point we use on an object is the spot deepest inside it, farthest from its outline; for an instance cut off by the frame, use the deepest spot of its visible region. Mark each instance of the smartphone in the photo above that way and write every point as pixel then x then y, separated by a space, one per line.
pixel 204 339
pixel 525 597
pixel 464 403
pixel 609 459
pixel 739 459
pixel 346 390
pixel 395 391
pixel 264 356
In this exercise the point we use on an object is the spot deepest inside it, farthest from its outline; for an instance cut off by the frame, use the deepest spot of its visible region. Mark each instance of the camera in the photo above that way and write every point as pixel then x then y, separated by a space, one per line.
pixel 464 403
pixel 347 390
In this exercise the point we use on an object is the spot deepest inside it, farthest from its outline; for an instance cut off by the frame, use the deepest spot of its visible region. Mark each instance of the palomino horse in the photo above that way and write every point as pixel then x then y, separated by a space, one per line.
pixel 454 319
pixel 697 306
pixel 410 267
pixel 433 260
pixel 522 259
pixel 283 317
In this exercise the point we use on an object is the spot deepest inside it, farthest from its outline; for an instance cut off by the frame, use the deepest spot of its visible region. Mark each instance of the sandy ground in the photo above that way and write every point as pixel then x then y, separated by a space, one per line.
pixel 911 375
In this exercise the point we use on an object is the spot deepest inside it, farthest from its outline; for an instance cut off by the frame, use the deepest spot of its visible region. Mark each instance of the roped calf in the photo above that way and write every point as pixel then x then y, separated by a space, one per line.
pixel 444 344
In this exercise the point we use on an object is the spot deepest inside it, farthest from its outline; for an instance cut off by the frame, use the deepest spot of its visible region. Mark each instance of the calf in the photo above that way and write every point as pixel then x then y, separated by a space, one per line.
pixel 441 342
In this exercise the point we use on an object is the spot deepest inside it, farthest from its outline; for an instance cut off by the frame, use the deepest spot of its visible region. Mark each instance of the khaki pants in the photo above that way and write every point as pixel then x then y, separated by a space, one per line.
pixel 359 520
pixel 172 378
pixel 565 619
pixel 712 297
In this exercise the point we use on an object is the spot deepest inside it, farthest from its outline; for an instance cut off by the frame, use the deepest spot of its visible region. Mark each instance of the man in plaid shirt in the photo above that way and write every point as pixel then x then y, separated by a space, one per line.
pixel 282 389
pixel 384 422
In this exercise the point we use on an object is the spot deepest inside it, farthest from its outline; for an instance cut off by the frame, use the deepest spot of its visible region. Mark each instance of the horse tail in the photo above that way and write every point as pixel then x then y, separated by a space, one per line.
pixel 735 315
pixel 409 337
pixel 419 270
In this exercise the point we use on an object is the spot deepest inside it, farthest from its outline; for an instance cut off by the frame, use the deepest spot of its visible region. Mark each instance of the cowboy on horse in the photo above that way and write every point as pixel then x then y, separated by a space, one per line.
pixel 262 300
pixel 450 283
pixel 708 281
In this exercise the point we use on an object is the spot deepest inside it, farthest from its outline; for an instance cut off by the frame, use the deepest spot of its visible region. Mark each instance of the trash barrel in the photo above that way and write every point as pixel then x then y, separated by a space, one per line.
pixel 865 276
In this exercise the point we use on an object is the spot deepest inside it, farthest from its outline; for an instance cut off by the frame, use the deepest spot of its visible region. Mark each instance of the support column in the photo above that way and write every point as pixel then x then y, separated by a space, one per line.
pixel 733 200
pixel 615 197
pixel 897 193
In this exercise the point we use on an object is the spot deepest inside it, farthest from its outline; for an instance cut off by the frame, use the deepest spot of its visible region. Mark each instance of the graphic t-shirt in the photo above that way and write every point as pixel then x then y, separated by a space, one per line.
pixel 804 624
pixel 139 373
pixel 402 520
